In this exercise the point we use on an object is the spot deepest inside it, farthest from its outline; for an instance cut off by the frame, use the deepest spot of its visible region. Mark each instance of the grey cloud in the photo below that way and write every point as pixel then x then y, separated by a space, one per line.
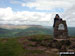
pixel 69 15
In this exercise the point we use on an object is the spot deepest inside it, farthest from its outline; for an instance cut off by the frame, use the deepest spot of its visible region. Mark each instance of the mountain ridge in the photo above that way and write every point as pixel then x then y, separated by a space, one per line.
pixel 31 30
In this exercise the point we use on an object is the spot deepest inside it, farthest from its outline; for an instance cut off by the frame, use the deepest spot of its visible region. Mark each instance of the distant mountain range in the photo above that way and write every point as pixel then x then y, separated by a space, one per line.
pixel 7 26
pixel 26 30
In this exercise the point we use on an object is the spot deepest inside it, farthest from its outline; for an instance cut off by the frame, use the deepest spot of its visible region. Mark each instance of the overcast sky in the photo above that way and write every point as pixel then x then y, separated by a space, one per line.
pixel 40 12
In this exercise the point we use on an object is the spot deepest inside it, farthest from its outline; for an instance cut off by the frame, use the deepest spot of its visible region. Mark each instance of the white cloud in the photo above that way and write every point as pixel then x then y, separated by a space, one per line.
pixel 6 13
pixel 48 4
pixel 23 4
pixel 16 17
pixel 67 5
pixel 69 15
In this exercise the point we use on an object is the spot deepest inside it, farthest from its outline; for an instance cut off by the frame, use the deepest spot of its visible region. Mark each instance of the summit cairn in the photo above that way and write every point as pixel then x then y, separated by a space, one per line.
pixel 60 28
pixel 61 32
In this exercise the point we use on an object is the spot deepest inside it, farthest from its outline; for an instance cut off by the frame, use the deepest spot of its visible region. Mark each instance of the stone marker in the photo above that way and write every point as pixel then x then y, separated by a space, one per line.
pixel 61 27
pixel 60 30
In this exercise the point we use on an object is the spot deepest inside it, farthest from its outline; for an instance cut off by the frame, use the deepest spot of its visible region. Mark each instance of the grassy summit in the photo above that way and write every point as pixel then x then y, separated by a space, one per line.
pixel 26 46
pixel 33 45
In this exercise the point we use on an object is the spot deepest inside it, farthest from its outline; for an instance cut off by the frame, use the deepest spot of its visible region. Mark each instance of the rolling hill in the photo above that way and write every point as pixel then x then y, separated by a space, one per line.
pixel 33 31
pixel 30 30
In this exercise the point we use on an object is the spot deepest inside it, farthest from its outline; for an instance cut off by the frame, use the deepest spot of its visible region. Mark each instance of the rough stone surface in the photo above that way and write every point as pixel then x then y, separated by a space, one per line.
pixel 60 30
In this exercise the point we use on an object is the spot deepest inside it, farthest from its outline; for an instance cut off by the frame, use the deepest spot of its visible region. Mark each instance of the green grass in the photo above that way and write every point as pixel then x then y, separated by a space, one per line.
pixel 39 38
pixel 11 48
pixel 34 51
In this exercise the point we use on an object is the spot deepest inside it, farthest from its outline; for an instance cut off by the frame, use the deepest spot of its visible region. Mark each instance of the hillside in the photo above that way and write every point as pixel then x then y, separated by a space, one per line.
pixel 34 31
pixel 31 30
pixel 7 26
pixel 8 33
pixel 35 45
pixel 71 31
pixel 26 46
pixel 24 32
